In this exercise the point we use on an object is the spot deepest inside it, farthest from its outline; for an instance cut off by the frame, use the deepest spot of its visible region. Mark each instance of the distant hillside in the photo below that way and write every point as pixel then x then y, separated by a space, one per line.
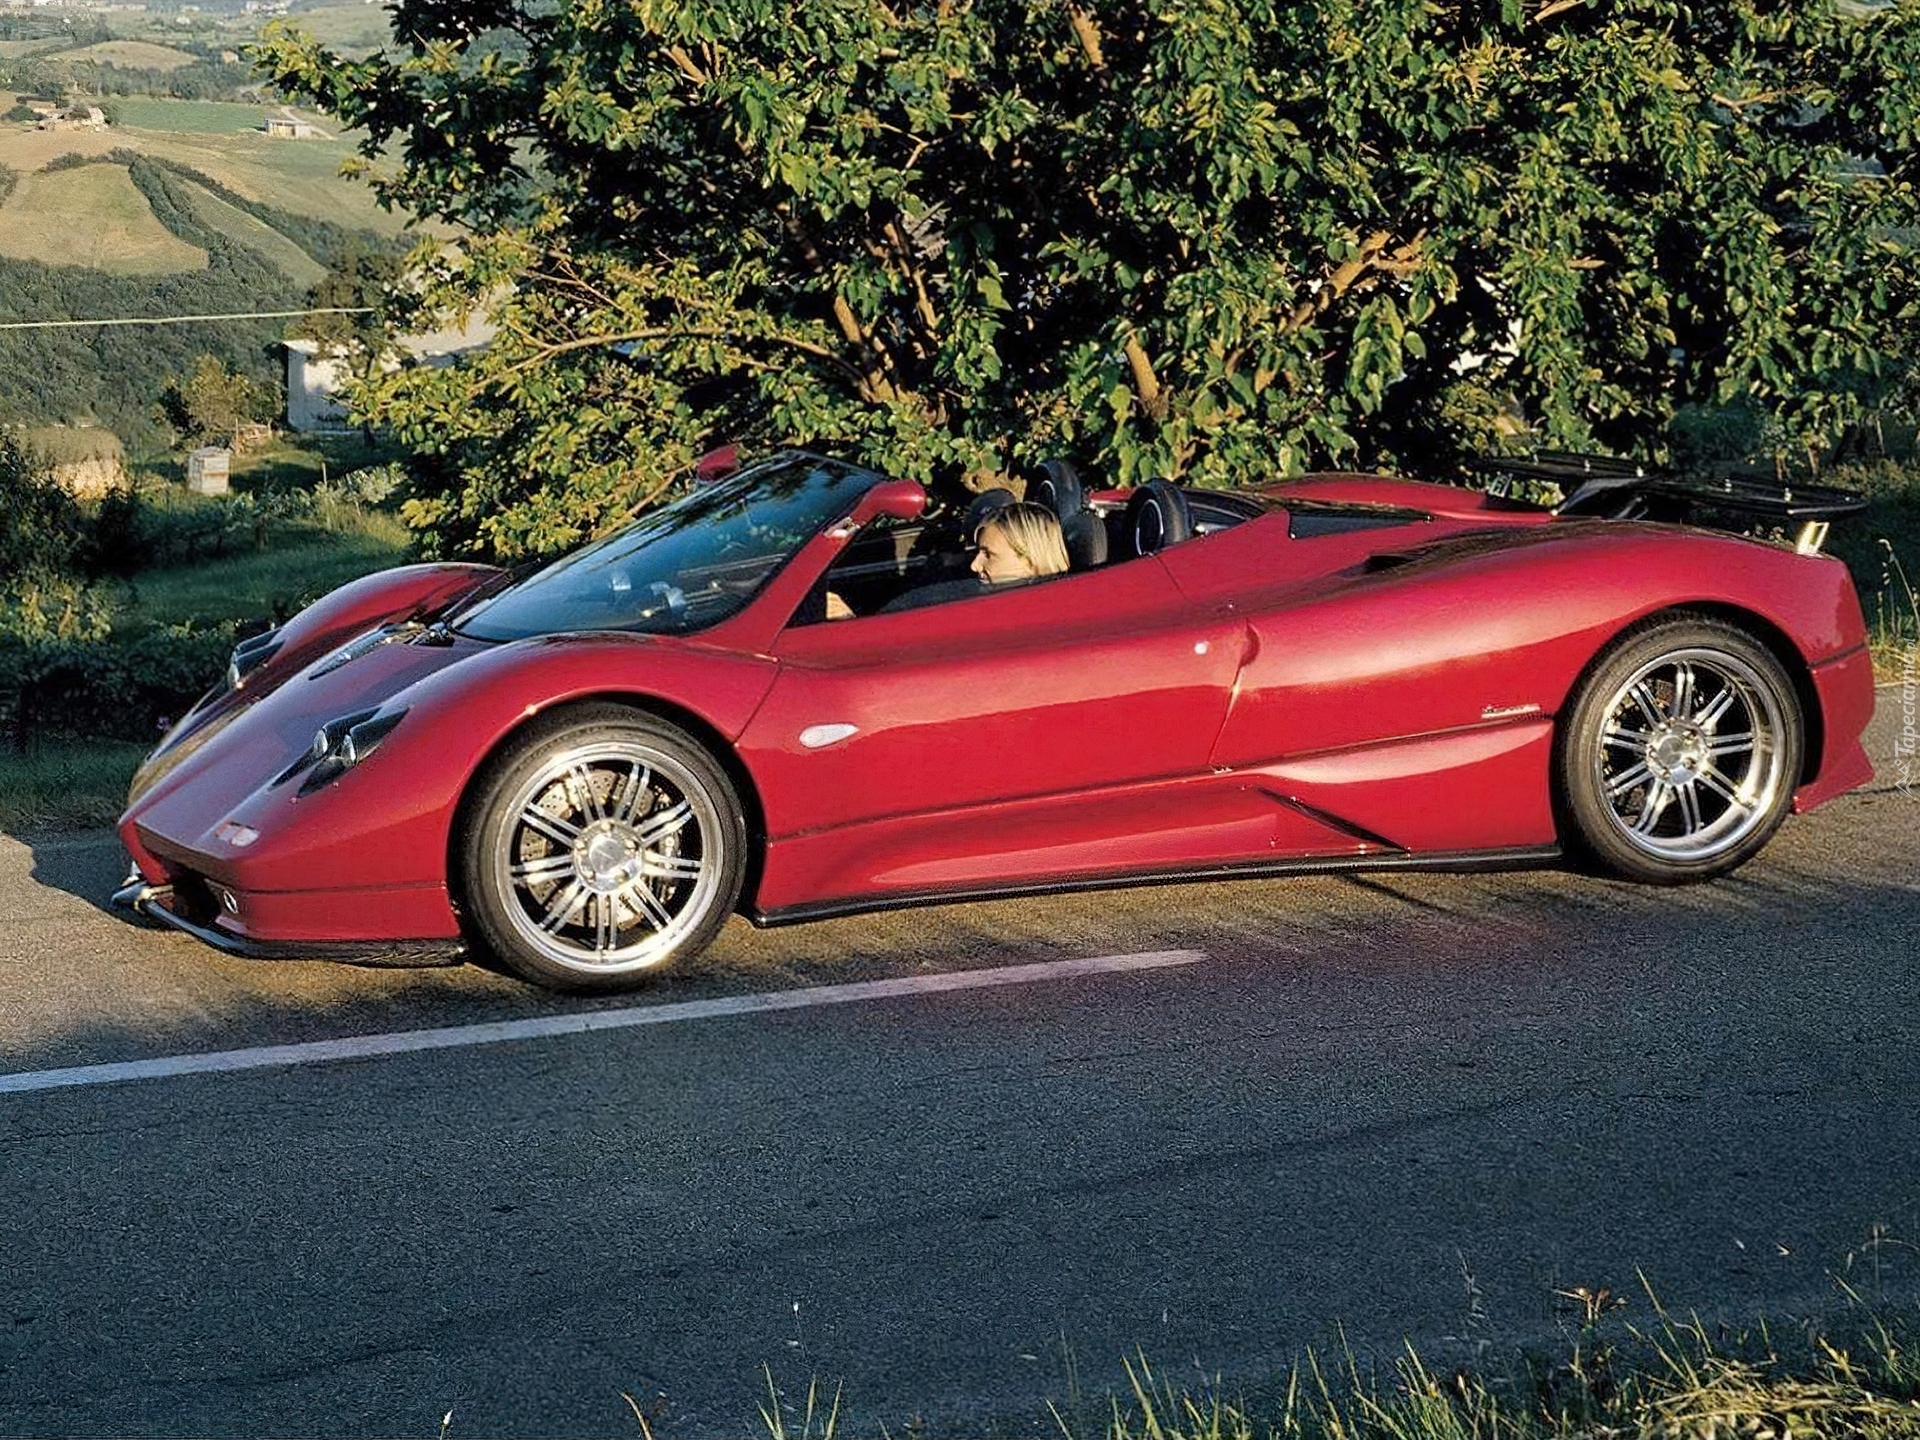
pixel 91 215
pixel 225 141
pixel 152 237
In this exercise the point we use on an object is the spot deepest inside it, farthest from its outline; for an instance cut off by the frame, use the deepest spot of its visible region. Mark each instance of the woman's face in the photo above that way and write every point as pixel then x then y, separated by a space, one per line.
pixel 996 561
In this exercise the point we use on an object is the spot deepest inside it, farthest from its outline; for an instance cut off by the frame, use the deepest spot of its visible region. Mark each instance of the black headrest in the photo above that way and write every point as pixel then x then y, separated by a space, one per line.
pixel 1056 485
pixel 1157 516
pixel 982 508
pixel 1086 539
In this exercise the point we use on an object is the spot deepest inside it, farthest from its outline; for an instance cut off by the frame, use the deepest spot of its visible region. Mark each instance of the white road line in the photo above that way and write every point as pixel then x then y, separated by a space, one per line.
pixel 356 1047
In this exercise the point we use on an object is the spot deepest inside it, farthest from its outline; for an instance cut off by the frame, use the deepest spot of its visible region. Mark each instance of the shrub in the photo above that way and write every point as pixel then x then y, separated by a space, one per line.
pixel 41 526
pixel 39 607
pixel 110 690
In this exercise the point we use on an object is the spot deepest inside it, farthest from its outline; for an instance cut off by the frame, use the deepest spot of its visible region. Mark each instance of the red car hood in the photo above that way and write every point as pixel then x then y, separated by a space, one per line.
pixel 238 751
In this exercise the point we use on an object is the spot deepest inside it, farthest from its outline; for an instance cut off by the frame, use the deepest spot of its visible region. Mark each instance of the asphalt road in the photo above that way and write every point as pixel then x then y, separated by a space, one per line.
pixel 1380 1107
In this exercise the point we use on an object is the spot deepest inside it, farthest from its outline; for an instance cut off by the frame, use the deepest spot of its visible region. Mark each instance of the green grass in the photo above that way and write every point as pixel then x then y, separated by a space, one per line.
pixel 305 460
pixel 91 216
pixel 290 460
pixel 260 584
pixel 66 785
pixel 216 214
pixel 352 29
pixel 191 117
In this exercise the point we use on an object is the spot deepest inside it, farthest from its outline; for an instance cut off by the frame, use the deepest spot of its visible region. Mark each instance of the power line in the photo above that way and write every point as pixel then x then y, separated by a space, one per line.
pixel 181 319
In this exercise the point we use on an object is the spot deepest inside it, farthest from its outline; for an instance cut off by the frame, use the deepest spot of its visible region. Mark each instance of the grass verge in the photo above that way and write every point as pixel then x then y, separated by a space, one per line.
pixel 1882 548
pixel 1681 1379
pixel 267 584
pixel 64 785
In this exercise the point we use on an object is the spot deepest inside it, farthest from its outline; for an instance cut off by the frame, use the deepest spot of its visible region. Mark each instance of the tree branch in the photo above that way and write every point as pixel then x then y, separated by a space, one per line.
pixel 683 62
pixel 1088 34
pixel 1372 259
pixel 675 332
pixel 1153 399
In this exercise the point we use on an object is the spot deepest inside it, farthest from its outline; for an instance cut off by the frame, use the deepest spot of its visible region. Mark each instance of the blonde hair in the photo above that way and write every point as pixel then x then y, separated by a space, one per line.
pixel 1033 533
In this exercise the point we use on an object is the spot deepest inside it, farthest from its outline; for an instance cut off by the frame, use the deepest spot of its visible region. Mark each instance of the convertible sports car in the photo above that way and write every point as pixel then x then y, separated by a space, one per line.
pixel 586 771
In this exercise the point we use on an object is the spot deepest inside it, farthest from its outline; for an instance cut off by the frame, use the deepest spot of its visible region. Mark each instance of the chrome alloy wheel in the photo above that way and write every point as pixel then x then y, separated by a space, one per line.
pixel 607 859
pixel 1691 758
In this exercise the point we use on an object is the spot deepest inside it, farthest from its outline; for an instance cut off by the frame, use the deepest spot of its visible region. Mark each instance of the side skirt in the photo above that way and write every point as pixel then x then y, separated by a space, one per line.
pixel 1463 861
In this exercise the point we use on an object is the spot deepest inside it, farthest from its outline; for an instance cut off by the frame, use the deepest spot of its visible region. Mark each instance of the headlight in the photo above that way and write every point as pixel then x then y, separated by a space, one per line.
pixel 339 745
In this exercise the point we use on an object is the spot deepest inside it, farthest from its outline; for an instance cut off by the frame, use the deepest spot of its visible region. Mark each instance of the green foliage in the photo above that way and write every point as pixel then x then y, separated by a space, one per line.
pixel 25 114
pixel 42 530
pixel 116 690
pixel 1222 241
pixel 116 374
pixel 79 658
pixel 210 404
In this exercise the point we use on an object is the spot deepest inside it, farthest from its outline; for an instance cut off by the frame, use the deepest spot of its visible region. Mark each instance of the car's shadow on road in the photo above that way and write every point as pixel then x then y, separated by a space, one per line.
pixel 87 864
pixel 88 986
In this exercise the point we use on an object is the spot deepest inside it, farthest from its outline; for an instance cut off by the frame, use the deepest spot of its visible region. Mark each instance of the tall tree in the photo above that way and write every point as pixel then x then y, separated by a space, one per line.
pixel 212 403
pixel 1214 239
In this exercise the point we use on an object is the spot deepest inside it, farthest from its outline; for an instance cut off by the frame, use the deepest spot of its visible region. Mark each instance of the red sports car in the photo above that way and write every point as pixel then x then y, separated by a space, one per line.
pixel 587 770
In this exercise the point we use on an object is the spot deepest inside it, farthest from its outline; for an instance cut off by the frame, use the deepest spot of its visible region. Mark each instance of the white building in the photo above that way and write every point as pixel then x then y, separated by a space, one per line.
pixel 314 376
pixel 312 380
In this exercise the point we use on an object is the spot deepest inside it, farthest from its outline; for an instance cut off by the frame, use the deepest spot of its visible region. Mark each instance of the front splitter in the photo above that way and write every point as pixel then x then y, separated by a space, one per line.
pixel 155 903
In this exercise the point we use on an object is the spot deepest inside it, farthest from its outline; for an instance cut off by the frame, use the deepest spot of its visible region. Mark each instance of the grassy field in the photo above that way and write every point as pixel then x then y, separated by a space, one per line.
pixel 351 29
pixel 257 585
pixel 91 216
pixel 192 117
pixel 134 55
pixel 225 141
pixel 216 214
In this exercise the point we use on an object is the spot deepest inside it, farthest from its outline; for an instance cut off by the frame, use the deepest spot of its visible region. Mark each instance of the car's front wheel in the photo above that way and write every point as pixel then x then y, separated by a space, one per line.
pixel 1681 752
pixel 603 845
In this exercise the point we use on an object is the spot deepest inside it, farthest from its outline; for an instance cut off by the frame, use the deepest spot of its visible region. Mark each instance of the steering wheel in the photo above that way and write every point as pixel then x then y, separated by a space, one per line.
pixel 671 599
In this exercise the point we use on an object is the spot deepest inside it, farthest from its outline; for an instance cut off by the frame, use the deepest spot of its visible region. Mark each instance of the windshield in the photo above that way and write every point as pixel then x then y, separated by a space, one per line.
pixel 687 565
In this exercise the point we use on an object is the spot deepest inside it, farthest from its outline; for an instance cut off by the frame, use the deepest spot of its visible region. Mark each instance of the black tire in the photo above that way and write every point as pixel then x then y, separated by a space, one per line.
pixel 602 846
pixel 1681 752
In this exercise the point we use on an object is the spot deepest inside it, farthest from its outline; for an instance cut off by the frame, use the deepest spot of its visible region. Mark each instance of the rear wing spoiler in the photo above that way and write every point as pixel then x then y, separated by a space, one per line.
pixel 1733 498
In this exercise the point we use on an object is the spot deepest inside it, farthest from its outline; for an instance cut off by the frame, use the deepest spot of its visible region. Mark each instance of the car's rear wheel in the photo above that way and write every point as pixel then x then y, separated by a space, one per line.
pixel 602 846
pixel 1681 752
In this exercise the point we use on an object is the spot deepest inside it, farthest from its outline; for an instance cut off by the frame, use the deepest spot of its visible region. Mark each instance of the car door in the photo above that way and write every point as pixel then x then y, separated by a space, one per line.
pixel 1038 734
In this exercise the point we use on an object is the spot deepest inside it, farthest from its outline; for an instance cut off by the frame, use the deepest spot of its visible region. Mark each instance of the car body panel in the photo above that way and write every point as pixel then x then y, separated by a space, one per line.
pixel 1037 698
pixel 381 833
pixel 1278 694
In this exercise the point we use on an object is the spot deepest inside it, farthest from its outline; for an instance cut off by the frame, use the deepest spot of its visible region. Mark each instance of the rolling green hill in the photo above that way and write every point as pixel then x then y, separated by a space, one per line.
pixel 128 233
pixel 92 216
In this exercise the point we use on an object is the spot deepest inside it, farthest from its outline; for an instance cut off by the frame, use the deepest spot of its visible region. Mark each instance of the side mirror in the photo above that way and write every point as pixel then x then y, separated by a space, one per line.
pixel 716 465
pixel 902 499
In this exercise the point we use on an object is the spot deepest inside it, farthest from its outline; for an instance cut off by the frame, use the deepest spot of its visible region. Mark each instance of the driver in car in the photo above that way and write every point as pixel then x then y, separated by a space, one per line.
pixel 1015 545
